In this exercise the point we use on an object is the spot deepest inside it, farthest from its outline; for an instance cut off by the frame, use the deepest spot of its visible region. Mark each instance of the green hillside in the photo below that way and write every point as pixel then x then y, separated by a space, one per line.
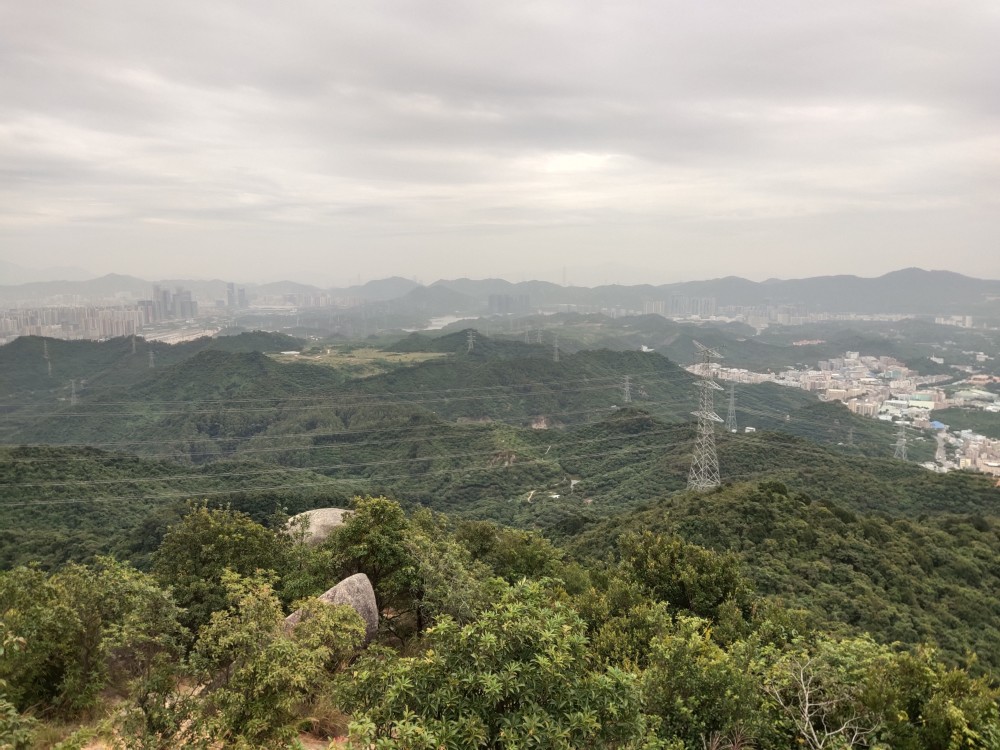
pixel 558 481
pixel 207 402
pixel 934 580
pixel 100 371
pixel 983 422
pixel 71 504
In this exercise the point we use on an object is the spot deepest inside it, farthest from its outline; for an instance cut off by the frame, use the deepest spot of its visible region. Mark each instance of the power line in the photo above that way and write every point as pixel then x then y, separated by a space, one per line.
pixel 346 434
pixel 769 414
pixel 323 394
pixel 813 451
pixel 328 482
pixel 372 400
pixel 402 428
pixel 284 469
pixel 816 453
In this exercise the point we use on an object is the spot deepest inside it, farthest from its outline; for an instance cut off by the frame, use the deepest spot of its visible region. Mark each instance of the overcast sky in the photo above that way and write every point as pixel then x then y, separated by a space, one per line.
pixel 625 141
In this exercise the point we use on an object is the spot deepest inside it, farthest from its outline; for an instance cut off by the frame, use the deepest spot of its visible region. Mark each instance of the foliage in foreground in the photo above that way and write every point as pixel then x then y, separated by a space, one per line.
pixel 664 645
pixel 519 676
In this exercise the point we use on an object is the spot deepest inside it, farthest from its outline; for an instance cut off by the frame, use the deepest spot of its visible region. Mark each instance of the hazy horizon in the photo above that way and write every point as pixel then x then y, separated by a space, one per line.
pixel 624 143
pixel 47 275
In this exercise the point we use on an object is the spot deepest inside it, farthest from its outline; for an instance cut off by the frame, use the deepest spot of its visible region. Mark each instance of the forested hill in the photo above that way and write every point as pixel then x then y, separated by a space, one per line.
pixel 34 368
pixel 61 505
pixel 932 580
pixel 221 393
pixel 67 503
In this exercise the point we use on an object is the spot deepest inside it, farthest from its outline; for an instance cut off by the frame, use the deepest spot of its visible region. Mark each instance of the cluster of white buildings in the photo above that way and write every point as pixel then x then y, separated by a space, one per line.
pixel 869 386
pixel 973 451
pixel 884 388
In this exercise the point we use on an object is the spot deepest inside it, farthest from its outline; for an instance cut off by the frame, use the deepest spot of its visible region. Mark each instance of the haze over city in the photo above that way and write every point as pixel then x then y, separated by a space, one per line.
pixel 644 141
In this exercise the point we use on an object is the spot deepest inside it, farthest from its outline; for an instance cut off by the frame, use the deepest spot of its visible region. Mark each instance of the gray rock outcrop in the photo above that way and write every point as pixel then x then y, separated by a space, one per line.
pixel 356 592
pixel 318 523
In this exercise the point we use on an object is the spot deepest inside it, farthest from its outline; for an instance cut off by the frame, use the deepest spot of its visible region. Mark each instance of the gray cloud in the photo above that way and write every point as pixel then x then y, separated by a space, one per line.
pixel 438 138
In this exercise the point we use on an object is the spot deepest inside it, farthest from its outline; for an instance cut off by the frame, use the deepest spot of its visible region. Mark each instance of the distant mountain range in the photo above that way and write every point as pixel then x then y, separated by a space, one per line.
pixel 908 291
pixel 12 273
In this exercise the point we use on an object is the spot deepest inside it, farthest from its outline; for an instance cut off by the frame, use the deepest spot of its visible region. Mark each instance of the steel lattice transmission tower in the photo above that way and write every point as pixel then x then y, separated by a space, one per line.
pixel 627 390
pixel 704 473
pixel 731 416
pixel 901 443
pixel 471 339
pixel 555 348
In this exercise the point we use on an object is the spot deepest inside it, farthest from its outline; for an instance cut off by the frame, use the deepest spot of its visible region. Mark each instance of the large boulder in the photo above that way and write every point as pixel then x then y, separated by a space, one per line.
pixel 318 523
pixel 356 592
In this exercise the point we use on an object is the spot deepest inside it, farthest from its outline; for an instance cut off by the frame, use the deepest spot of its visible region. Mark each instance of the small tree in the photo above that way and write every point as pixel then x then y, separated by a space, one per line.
pixel 15 729
pixel 448 581
pixel 257 674
pixel 698 689
pixel 208 541
pixel 519 676
pixel 691 579
pixel 512 553
pixel 821 692
pixel 373 541
pixel 67 620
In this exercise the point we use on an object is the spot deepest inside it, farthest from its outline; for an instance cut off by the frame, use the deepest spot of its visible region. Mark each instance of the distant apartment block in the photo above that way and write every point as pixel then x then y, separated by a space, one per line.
pixel 97 321
pixel 71 322
pixel 167 305
pixel 681 306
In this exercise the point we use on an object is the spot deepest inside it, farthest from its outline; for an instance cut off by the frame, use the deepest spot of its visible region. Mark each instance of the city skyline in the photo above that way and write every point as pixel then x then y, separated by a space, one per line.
pixel 643 141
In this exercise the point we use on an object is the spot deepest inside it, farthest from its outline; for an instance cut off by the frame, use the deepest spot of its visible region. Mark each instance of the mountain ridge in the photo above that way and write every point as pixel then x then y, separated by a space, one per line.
pixel 904 291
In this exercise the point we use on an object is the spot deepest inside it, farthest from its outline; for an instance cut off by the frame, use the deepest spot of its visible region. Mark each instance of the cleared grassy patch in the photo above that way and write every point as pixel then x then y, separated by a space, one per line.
pixel 358 362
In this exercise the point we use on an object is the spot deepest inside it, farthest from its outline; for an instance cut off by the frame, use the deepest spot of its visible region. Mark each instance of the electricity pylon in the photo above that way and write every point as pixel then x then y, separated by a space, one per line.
pixel 471 338
pixel 731 416
pixel 555 348
pixel 900 443
pixel 704 473
pixel 627 390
